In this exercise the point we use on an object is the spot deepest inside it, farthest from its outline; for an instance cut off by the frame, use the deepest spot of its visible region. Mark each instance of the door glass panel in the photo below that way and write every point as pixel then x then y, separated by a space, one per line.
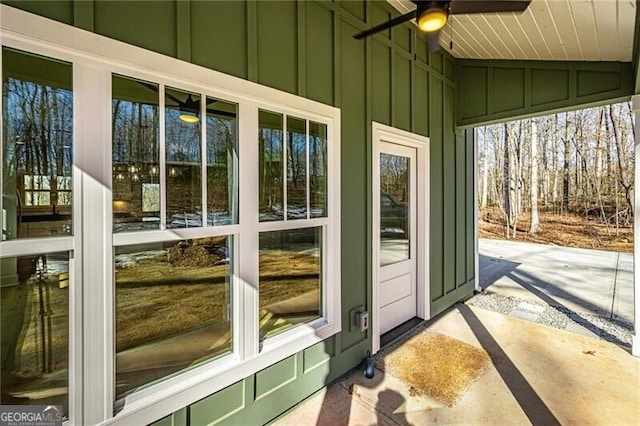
pixel 34 335
pixel 37 152
pixel 394 208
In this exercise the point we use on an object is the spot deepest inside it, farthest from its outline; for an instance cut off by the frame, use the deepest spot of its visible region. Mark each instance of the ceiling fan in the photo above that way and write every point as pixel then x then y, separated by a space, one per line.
pixel 190 108
pixel 431 16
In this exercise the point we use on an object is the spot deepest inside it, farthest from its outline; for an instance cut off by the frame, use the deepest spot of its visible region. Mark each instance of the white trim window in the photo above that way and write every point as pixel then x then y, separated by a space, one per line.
pixel 200 239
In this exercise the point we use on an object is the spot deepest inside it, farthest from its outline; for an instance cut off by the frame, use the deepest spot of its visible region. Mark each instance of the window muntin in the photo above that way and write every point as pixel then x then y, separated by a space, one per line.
pixel 135 154
pixel 290 288
pixel 173 308
pixel 34 322
pixel 37 150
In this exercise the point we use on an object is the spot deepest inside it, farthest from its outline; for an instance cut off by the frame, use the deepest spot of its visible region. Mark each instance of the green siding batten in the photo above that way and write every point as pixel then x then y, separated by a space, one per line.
pixel 495 91
pixel 307 48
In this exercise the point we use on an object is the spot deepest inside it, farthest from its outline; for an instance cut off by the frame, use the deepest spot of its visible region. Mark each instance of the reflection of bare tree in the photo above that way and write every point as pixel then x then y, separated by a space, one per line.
pixel 38 136
pixel 394 176
pixel 270 164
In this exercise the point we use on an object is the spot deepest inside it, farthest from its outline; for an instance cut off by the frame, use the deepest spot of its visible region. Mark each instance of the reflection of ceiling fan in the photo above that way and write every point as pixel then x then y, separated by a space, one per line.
pixel 189 106
pixel 432 15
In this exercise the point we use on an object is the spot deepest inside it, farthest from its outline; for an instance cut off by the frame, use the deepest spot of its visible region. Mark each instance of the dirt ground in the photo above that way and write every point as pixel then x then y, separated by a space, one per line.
pixel 568 230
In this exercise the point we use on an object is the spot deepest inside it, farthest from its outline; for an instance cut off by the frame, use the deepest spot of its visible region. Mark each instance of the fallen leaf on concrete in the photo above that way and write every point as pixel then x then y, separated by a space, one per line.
pixel 589 352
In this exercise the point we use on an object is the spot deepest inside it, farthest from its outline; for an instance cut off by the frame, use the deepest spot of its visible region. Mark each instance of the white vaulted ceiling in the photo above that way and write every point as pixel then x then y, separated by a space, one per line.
pixel 555 30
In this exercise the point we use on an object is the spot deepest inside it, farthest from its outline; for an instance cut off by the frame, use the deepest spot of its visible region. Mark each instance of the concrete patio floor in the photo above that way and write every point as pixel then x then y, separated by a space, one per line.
pixel 538 375
pixel 583 280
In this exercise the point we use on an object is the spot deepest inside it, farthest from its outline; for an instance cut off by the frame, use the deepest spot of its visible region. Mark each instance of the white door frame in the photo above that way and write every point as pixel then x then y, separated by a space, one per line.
pixel 383 133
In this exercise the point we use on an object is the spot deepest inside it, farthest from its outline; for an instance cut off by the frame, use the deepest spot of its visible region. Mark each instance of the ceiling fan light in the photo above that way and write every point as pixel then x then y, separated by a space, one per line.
pixel 432 19
pixel 189 118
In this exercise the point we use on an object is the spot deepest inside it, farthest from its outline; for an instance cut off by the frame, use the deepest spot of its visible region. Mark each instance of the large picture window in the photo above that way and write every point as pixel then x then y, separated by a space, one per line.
pixel 37 199
pixel 167 230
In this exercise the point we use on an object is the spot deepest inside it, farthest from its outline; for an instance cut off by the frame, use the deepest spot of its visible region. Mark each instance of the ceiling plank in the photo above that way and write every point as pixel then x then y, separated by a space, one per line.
pixel 626 29
pixel 606 16
pixel 582 12
pixel 566 27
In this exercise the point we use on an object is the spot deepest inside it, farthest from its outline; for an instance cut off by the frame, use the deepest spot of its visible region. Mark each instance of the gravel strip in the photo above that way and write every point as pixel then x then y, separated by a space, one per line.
pixel 609 329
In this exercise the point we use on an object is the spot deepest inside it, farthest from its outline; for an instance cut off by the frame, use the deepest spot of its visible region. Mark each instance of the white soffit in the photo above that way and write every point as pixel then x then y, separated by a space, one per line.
pixel 550 30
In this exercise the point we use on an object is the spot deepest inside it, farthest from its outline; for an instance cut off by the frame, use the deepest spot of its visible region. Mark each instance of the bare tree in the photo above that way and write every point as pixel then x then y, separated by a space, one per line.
pixel 535 225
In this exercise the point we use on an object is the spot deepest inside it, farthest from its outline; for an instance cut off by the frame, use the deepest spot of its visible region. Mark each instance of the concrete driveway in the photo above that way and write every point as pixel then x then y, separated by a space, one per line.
pixel 585 281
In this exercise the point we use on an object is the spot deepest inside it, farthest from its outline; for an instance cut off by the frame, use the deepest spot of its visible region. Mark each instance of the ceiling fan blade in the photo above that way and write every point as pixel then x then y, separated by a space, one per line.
pixel 459 7
pixel 395 21
pixel 432 41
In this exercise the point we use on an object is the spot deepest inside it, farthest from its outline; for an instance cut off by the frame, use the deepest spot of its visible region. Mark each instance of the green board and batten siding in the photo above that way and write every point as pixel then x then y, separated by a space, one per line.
pixel 307 48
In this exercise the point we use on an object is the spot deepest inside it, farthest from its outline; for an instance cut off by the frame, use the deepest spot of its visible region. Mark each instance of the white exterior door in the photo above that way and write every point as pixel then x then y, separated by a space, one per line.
pixel 396 227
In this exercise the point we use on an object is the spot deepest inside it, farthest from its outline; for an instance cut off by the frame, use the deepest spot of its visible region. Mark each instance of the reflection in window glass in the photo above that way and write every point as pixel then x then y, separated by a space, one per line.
pixel 318 168
pixel 394 208
pixel 36 146
pixel 270 166
pixel 296 168
pixel 172 308
pixel 290 278
pixel 184 157
pixel 222 162
pixel 136 155
pixel 34 337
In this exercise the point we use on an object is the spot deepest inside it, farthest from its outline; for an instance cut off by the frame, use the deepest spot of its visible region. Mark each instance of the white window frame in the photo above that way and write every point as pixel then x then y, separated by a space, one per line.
pixel 95 58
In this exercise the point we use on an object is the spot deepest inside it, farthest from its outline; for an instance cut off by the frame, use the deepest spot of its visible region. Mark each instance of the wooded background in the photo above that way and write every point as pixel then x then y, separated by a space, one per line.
pixel 578 163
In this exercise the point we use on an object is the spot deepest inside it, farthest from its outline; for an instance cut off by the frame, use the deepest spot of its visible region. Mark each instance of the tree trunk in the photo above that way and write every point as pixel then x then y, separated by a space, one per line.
pixel 485 167
pixel 622 162
pixel 567 160
pixel 535 224
pixel 507 180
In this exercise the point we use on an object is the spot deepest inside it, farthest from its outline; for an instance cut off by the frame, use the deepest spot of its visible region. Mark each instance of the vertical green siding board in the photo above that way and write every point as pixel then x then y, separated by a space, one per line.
pixel 449 189
pixel 302 56
pixel 461 209
pixel 436 214
pixel 183 30
pixel 355 8
pixel 368 177
pixel 148 24
pixel 319 51
pixel 62 10
pixel 402 96
pixel 379 14
pixel 470 145
pixel 277 46
pixel 354 164
pixel 220 20
pixel 83 14
pixel 252 40
pixel 421 101
pixel 381 82
pixel 337 60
